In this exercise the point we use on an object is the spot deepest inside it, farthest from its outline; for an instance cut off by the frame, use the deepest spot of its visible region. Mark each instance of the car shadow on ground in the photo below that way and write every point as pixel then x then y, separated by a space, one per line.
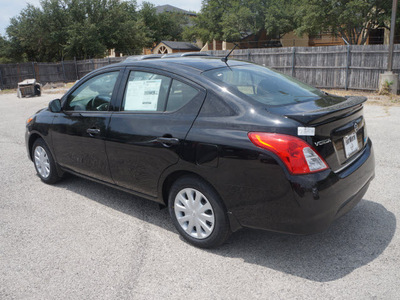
pixel 351 242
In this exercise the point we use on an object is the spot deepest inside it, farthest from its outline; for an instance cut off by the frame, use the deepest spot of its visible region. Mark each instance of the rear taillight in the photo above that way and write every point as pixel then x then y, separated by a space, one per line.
pixel 298 156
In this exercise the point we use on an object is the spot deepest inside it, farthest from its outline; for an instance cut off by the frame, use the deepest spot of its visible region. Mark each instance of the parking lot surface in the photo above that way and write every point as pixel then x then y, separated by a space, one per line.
pixel 82 240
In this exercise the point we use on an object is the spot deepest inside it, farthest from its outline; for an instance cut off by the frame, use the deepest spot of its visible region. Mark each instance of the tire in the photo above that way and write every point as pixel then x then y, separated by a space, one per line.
pixel 197 212
pixel 44 163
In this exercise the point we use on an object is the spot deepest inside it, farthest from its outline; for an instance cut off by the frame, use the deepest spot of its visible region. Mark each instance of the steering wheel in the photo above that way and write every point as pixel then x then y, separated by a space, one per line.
pixel 99 103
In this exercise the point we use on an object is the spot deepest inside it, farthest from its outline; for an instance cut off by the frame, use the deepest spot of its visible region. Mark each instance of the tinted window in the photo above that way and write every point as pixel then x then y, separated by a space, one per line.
pixel 94 94
pixel 146 92
pixel 263 85
pixel 179 95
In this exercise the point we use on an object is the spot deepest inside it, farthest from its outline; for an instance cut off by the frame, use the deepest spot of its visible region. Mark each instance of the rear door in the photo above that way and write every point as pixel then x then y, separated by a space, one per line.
pixel 146 135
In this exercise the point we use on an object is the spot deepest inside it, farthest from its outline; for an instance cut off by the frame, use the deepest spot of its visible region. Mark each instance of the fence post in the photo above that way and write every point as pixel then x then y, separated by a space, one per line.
pixel 109 60
pixel 293 60
pixel 346 84
pixel 33 69
pixel 1 81
pixel 248 54
pixel 63 69
pixel 76 68
pixel 93 63
pixel 19 73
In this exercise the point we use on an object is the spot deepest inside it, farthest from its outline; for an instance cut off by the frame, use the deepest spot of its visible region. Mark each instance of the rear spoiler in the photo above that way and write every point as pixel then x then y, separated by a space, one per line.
pixel 329 113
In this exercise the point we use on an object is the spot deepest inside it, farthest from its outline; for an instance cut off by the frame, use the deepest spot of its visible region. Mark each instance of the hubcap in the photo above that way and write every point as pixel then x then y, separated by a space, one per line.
pixel 42 162
pixel 194 213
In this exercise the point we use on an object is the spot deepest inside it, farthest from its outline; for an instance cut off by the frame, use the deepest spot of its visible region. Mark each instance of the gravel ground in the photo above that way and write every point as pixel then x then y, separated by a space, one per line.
pixel 81 240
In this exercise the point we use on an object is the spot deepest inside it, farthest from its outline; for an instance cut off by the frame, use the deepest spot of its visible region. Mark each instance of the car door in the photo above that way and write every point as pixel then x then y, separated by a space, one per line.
pixel 78 132
pixel 146 135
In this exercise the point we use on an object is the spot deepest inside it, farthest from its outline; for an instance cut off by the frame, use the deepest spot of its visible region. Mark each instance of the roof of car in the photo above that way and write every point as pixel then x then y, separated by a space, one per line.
pixel 199 63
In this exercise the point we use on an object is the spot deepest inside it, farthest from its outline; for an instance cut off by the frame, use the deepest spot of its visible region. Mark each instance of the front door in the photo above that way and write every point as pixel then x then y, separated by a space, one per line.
pixel 79 130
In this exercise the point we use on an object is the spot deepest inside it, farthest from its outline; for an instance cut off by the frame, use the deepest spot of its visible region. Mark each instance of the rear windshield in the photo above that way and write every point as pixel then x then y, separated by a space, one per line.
pixel 263 85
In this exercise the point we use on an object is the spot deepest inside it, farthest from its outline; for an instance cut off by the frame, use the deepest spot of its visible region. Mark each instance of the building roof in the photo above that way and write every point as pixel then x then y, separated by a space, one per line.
pixel 180 45
pixel 170 8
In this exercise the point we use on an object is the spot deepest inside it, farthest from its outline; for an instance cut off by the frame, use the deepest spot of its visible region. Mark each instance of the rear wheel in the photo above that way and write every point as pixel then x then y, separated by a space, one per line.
pixel 197 212
pixel 44 163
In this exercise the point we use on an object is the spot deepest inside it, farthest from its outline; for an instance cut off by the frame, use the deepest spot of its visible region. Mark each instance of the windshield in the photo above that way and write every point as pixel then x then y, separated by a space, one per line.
pixel 263 85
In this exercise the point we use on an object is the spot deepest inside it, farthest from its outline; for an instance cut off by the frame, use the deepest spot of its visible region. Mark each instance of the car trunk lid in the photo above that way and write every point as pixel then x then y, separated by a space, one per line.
pixel 337 126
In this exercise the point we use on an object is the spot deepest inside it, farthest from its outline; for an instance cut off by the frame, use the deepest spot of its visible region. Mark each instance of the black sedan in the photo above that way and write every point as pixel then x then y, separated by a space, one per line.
pixel 222 144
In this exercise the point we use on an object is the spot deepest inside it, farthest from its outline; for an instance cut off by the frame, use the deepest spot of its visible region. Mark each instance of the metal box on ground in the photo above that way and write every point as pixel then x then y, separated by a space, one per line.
pixel 28 87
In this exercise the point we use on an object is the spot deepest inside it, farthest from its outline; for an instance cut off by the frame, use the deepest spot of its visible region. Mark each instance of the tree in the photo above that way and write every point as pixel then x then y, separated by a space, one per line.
pixel 6 54
pixel 98 25
pixel 64 29
pixel 208 24
pixel 281 17
pixel 232 20
pixel 350 19
pixel 161 26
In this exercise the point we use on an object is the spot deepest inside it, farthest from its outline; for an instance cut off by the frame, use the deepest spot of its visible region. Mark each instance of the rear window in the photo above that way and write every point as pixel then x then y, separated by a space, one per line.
pixel 263 85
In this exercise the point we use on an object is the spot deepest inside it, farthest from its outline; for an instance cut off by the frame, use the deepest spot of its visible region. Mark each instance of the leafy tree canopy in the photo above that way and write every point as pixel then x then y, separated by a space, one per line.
pixel 232 20
pixel 64 29
pixel 161 26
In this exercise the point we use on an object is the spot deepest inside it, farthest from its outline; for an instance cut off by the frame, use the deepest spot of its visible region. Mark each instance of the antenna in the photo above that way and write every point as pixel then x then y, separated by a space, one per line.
pixel 225 59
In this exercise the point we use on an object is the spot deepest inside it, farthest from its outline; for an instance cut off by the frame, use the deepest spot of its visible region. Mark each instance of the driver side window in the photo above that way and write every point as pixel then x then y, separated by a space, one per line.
pixel 93 95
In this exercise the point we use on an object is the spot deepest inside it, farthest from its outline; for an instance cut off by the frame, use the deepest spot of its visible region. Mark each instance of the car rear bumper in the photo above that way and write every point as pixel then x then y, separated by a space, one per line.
pixel 315 200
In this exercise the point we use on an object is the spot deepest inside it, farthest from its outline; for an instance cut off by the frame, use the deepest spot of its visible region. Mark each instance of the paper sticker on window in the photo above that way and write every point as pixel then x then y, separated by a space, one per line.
pixel 142 95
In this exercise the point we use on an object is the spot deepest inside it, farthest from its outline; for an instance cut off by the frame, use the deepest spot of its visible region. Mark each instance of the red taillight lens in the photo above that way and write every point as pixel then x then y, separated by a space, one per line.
pixel 298 156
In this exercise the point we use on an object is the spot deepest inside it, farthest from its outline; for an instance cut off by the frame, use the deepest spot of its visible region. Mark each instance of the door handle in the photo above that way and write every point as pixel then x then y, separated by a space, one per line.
pixel 167 141
pixel 93 131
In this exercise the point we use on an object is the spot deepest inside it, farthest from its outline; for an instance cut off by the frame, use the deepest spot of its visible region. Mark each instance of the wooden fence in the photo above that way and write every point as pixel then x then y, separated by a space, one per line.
pixel 64 71
pixel 347 67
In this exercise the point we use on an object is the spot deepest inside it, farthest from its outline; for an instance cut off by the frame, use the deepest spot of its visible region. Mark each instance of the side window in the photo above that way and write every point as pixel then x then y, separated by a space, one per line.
pixel 155 93
pixel 93 95
pixel 179 95
pixel 146 92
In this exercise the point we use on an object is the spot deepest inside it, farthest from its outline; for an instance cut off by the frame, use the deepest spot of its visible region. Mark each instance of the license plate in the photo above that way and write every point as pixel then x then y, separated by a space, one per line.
pixel 350 144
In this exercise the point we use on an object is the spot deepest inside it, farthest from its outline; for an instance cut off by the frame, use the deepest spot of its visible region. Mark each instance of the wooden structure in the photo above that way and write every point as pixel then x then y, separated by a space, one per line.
pixel 165 47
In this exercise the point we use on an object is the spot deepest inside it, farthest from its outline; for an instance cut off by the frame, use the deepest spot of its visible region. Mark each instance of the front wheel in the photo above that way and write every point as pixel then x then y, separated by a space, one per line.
pixel 197 212
pixel 44 163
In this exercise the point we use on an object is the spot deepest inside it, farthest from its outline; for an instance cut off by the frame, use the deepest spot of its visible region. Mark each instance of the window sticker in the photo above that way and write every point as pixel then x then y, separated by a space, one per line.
pixel 142 95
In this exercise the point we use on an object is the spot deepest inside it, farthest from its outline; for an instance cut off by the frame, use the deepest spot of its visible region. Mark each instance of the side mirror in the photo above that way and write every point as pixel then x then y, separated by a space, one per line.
pixel 55 105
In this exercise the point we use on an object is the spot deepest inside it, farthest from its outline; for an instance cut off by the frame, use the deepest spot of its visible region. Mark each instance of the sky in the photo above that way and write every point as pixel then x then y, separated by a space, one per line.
pixel 12 8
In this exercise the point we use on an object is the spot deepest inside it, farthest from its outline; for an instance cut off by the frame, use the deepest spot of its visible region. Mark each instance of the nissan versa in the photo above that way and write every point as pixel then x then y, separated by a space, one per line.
pixel 223 144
